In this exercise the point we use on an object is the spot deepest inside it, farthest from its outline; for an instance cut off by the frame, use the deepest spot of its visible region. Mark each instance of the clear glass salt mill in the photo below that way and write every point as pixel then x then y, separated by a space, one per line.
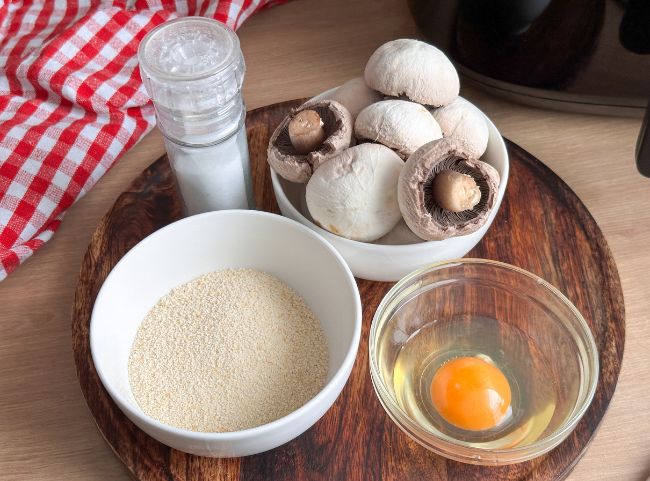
pixel 193 70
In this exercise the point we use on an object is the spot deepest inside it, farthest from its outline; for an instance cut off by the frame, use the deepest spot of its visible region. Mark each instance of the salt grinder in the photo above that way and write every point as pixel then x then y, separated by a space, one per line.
pixel 193 70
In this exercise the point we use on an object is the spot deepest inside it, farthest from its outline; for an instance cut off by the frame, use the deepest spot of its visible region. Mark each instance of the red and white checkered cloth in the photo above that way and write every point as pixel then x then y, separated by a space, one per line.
pixel 72 102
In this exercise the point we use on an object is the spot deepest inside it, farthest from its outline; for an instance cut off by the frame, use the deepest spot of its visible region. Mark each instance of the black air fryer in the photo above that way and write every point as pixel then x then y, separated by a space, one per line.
pixel 590 56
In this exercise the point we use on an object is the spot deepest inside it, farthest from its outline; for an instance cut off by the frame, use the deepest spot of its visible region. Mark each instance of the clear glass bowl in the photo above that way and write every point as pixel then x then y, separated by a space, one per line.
pixel 558 352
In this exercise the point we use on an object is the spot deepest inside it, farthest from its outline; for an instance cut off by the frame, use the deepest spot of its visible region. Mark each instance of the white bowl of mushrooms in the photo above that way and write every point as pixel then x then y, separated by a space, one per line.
pixel 394 169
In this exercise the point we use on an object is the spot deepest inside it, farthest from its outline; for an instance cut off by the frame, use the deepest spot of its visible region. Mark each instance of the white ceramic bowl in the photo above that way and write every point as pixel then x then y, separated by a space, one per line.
pixel 213 241
pixel 383 262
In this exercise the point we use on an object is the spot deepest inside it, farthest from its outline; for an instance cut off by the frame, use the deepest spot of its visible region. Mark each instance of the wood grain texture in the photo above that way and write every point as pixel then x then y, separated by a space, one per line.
pixel 542 226
pixel 298 50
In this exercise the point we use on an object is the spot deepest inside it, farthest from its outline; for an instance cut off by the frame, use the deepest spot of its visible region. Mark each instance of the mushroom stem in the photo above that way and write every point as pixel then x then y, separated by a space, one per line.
pixel 306 131
pixel 454 191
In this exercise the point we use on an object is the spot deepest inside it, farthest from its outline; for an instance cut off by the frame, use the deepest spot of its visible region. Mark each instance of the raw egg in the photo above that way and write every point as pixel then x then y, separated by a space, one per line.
pixel 471 393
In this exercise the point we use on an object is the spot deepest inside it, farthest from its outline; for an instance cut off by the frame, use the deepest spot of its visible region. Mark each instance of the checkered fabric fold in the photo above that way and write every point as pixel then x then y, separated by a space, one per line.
pixel 72 102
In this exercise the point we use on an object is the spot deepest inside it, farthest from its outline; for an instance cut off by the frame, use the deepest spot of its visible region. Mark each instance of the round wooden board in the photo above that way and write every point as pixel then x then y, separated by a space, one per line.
pixel 542 227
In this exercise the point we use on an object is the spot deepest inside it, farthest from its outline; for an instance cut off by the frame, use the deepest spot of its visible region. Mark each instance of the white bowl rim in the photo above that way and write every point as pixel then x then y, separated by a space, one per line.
pixel 390 248
pixel 348 360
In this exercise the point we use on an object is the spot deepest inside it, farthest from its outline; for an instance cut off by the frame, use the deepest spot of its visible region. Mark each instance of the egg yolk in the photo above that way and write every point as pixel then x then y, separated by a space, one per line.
pixel 470 393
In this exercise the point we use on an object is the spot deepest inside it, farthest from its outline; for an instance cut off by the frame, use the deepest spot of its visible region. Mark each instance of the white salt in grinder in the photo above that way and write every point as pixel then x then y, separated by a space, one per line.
pixel 193 70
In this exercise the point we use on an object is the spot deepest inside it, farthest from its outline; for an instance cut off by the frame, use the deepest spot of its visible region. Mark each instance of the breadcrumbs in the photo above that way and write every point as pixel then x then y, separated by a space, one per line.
pixel 227 351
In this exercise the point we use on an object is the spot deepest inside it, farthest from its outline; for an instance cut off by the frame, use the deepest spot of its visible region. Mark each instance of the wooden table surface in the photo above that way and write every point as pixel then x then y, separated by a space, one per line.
pixel 292 51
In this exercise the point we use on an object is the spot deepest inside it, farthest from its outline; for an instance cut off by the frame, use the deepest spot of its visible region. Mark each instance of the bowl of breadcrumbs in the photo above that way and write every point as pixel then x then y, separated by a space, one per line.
pixel 227 333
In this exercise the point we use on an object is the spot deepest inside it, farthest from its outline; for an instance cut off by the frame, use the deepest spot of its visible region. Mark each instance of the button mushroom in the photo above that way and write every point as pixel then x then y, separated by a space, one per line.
pixel 354 194
pixel 415 69
pixel 355 95
pixel 309 136
pixel 399 124
pixel 462 121
pixel 444 192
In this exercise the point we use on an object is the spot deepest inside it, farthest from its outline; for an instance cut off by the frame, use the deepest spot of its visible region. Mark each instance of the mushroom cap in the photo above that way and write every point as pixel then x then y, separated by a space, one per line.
pixel 355 95
pixel 415 69
pixel 354 194
pixel 399 124
pixel 421 214
pixel 463 121
pixel 295 167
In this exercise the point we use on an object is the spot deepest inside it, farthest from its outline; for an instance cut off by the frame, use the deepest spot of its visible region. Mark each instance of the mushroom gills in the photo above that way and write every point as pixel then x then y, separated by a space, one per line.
pixel 446 217
pixel 286 152
pixel 330 125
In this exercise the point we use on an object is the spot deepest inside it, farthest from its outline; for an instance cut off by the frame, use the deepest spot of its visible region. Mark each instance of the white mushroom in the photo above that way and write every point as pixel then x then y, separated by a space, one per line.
pixel 355 95
pixel 461 120
pixel 307 137
pixel 354 194
pixel 468 194
pixel 415 69
pixel 399 124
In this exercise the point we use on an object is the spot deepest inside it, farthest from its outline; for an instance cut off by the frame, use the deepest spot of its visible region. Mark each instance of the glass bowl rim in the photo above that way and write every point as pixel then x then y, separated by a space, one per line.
pixel 473 454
